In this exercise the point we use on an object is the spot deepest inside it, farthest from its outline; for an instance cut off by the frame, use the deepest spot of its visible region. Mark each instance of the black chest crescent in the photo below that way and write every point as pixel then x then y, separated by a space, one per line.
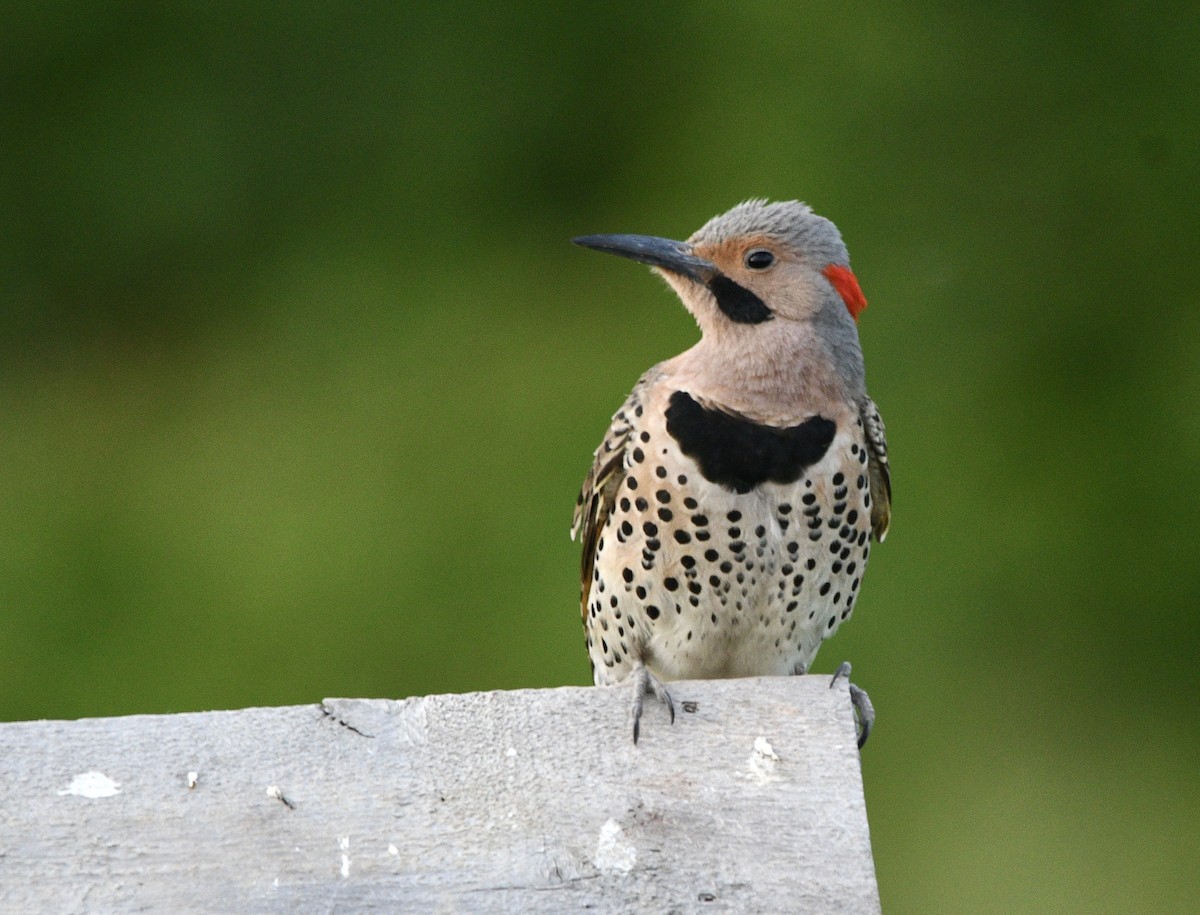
pixel 739 454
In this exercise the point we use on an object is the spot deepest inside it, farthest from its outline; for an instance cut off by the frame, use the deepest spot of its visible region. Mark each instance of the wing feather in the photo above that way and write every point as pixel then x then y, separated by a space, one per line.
pixel 878 468
pixel 599 490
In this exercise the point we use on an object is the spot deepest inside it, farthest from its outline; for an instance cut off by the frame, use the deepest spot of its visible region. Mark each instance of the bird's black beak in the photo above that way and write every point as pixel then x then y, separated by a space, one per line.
pixel 676 256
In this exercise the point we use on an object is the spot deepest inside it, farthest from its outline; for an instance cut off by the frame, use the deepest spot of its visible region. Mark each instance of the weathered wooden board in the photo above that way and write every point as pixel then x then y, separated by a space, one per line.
pixel 523 801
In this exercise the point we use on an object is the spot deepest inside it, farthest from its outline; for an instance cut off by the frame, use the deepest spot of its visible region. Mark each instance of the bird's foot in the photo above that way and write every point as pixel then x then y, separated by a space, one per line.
pixel 863 708
pixel 645 684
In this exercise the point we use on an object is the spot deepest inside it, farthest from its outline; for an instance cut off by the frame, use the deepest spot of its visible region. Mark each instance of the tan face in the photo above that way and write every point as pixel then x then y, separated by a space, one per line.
pixel 736 282
pixel 787 285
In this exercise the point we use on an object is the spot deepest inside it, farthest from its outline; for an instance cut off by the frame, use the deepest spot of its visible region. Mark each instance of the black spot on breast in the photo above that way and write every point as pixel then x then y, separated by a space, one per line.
pixel 739 454
pixel 738 303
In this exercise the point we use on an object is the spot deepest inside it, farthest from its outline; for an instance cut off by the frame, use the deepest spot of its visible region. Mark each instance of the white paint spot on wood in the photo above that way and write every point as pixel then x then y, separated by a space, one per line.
pixel 764 750
pixel 344 845
pixel 193 778
pixel 763 761
pixel 91 784
pixel 393 850
pixel 613 854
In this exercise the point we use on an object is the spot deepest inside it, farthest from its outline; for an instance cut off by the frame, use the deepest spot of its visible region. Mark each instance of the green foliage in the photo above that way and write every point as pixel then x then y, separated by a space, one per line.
pixel 299 373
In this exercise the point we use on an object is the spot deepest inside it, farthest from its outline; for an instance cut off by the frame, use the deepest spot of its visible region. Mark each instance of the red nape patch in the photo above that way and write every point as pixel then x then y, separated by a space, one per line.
pixel 847 287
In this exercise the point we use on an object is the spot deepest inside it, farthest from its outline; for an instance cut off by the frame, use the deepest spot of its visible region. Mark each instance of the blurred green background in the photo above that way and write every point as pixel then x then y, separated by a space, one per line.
pixel 299 374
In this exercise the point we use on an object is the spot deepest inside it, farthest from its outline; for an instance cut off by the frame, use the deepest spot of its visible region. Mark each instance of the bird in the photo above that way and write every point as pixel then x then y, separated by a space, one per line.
pixel 730 509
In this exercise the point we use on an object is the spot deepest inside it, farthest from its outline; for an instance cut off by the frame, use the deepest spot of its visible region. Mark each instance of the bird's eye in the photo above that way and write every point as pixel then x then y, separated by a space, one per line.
pixel 759 259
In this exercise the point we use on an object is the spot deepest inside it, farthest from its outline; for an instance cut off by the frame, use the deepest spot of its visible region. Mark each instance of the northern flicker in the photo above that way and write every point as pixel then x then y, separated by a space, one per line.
pixel 727 518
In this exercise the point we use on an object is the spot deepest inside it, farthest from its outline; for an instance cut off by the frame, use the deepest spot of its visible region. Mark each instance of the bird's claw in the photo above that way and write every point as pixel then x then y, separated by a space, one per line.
pixel 645 683
pixel 863 708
